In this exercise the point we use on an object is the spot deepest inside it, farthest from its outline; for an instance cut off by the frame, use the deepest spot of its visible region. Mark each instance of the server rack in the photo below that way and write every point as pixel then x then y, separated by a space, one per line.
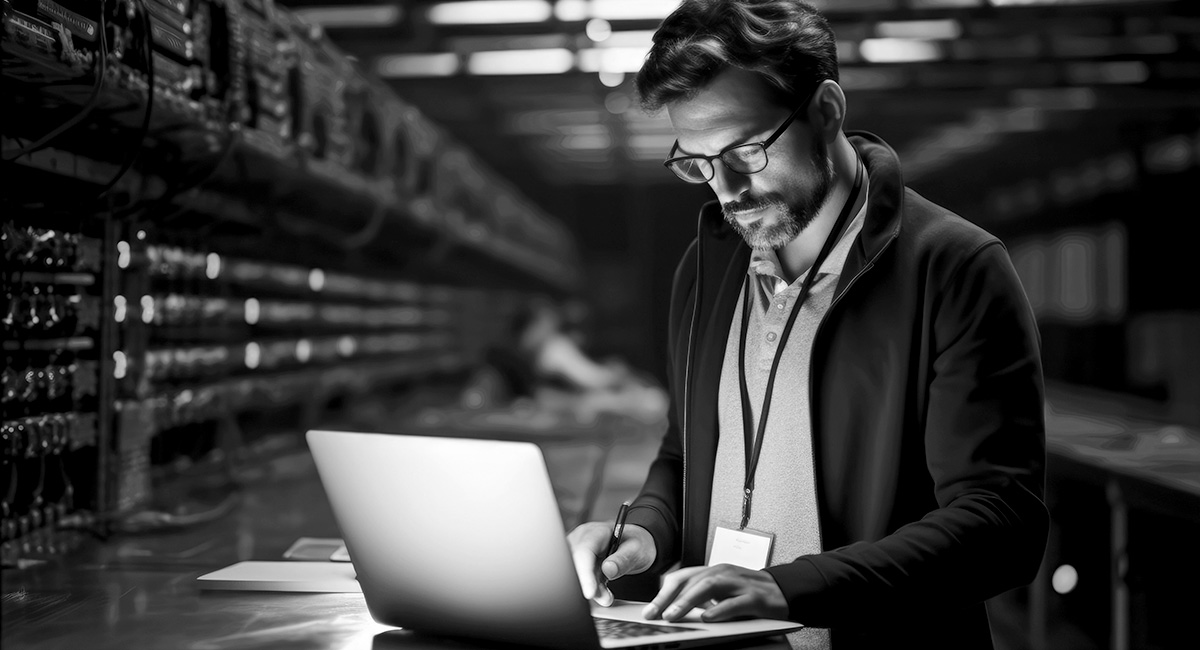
pixel 215 224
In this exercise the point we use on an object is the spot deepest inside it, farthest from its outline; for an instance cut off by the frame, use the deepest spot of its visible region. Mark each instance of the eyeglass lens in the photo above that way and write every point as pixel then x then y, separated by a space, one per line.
pixel 746 159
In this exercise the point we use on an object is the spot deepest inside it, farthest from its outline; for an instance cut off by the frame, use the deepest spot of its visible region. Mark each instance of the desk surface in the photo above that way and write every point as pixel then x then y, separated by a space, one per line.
pixel 139 591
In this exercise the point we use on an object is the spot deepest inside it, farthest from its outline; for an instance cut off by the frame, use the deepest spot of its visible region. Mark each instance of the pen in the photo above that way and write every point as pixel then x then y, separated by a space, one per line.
pixel 618 529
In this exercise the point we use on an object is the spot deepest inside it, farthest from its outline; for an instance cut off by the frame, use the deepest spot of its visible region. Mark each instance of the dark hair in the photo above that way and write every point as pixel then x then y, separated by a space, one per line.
pixel 787 42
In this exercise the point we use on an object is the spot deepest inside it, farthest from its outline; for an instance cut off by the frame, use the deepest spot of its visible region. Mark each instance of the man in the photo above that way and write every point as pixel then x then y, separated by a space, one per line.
pixel 858 448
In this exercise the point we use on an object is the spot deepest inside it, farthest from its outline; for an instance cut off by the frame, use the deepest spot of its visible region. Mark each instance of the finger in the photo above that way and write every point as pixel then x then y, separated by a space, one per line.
pixel 611 569
pixel 699 590
pixel 604 596
pixel 740 606
pixel 585 567
pixel 626 559
pixel 672 583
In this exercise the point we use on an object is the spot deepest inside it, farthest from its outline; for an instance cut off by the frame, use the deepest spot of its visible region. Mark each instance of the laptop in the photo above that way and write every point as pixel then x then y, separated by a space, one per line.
pixel 462 537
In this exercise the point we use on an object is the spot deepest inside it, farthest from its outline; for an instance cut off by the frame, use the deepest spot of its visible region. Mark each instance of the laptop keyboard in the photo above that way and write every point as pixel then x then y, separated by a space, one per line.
pixel 611 628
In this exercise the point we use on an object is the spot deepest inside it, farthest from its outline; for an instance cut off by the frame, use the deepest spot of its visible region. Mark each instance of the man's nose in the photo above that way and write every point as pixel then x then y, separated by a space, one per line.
pixel 726 184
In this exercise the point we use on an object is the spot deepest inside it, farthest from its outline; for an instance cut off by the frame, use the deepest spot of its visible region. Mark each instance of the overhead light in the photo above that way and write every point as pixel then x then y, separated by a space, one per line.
pixel 442 64
pixel 643 38
pixel 898 50
pixel 571 10
pixel 633 9
pixel 516 62
pixel 576 10
pixel 381 15
pixel 948 29
pixel 489 12
pixel 612 59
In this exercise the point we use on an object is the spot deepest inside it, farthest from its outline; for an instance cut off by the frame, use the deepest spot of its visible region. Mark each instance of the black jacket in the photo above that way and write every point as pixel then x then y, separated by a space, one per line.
pixel 927 422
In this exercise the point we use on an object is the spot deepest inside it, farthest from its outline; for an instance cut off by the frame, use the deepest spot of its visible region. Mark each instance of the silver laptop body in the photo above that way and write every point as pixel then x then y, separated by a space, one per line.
pixel 463 537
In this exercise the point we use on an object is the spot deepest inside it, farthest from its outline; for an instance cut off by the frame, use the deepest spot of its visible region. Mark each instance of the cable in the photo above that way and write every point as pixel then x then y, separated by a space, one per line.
pixel 92 101
pixel 347 243
pixel 145 127
pixel 183 185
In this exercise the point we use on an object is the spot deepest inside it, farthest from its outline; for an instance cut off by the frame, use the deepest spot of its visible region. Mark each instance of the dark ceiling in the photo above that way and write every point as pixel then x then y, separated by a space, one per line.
pixel 1013 103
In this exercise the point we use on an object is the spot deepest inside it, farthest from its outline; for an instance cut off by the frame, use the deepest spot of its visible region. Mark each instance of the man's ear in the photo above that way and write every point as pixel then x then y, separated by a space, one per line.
pixel 827 110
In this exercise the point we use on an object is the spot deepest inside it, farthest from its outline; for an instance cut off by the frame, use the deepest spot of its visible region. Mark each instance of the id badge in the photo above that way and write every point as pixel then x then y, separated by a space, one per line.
pixel 747 548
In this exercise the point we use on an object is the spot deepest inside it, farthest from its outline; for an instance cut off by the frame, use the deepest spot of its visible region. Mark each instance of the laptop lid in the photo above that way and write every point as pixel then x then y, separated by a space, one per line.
pixel 463 537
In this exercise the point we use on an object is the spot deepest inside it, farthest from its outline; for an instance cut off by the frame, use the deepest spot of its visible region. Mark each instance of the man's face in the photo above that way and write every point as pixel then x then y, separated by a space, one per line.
pixel 769 208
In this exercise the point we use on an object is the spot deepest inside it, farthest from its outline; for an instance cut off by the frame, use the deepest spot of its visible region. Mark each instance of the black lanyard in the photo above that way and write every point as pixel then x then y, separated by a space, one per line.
pixel 753 442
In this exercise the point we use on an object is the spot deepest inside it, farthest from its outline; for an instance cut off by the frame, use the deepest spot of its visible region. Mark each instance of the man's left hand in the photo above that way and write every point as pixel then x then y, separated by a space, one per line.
pixel 726 591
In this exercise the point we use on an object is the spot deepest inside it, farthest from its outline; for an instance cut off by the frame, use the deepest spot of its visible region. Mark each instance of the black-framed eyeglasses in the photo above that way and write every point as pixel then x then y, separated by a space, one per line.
pixel 749 158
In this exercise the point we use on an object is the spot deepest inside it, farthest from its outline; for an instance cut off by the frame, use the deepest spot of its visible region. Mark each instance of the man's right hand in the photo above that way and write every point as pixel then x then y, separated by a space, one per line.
pixel 589 543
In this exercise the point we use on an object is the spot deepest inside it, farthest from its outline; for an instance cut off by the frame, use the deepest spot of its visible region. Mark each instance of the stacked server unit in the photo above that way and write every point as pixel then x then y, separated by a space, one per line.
pixel 210 213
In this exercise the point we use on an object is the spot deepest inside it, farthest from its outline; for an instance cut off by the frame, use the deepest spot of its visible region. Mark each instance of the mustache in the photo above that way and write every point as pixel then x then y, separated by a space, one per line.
pixel 751 203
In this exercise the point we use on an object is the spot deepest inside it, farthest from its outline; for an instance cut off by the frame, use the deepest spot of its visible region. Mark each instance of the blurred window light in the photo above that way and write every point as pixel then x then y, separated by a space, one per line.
pixel 518 62
pixel 898 50
pixel 612 59
pixel 442 64
pixel 380 15
pixel 488 12
pixel 598 29
pixel 948 29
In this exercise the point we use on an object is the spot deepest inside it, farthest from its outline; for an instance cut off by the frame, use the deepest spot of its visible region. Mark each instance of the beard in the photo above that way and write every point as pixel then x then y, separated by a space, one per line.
pixel 793 217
